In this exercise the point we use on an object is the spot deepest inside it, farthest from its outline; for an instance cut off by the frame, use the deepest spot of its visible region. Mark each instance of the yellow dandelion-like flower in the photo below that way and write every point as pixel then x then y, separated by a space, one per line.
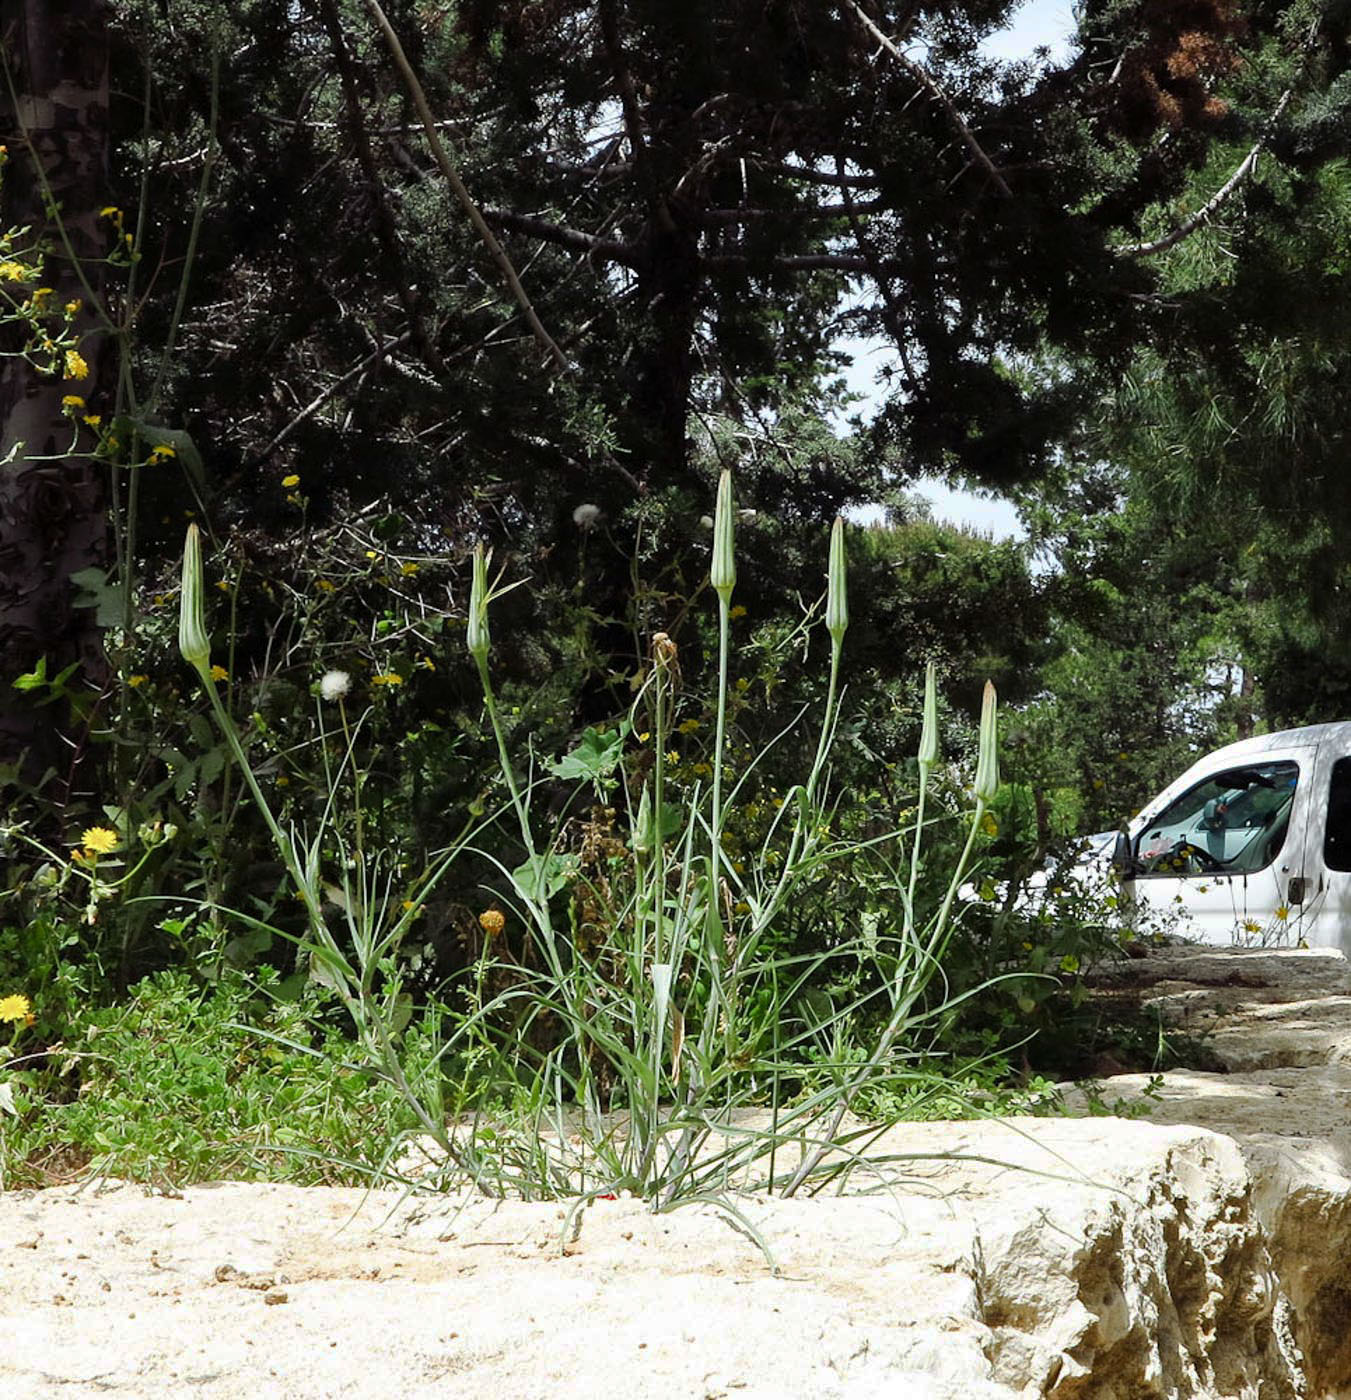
pixel 77 367
pixel 111 211
pixel 93 419
pixel 135 681
pixel 73 308
pixel 427 663
pixel 290 481
pixel 672 756
pixel 702 770
pixel 42 295
pixel 1283 913
pixel 989 825
pixel 324 586
pixel 223 585
pixel 72 403
pixel 98 840
pixel 387 678
pixel 11 271
pixel 219 673
pixel 162 452
pixel 1252 926
pixel 492 922
pixel 408 569
pixel 738 611
pixel 689 726
pixel 13 1008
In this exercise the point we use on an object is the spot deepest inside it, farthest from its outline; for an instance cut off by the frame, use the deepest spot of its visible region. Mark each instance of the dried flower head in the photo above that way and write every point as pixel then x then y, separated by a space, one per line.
pixel 333 685
pixel 586 515
pixel 492 922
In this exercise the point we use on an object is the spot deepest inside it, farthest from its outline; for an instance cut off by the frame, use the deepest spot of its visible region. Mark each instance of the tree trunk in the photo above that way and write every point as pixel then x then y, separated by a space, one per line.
pixel 53 518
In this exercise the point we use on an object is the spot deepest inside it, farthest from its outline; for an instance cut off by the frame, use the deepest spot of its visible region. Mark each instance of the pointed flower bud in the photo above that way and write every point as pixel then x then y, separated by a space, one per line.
pixel 837 601
pixel 722 575
pixel 192 639
pixel 642 839
pixel 987 764
pixel 477 637
pixel 928 739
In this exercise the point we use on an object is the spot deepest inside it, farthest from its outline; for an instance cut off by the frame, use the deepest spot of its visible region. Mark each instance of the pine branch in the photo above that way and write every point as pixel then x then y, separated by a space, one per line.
pixel 1207 211
pixel 930 83
pixel 461 192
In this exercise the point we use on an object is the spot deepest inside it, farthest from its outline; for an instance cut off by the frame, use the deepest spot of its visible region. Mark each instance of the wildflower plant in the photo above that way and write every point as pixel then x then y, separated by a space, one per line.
pixel 631 1060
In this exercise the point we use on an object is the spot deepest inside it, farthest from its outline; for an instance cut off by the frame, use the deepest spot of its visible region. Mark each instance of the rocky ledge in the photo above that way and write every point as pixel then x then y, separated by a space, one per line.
pixel 1199 1252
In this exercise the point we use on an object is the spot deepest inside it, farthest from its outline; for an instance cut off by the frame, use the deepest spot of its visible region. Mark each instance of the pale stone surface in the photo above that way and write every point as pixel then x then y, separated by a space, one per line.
pixel 1198 1254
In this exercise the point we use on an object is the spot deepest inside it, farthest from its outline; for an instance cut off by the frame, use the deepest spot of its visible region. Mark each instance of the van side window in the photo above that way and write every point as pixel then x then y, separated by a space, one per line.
pixel 1231 823
pixel 1337 835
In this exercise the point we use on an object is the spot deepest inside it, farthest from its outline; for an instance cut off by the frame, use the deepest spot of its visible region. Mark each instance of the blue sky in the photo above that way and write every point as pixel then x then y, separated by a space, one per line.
pixel 1036 22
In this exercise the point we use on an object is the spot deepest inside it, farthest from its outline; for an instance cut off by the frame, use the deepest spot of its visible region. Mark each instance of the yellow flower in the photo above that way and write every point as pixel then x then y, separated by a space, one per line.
pixel 219 673
pixel 41 295
pixel 387 678
pixel 408 569
pixel 13 1008
pixel 290 481
pixel 324 586
pixel 989 825
pixel 737 611
pixel 76 365
pixel 283 780
pixel 1283 913
pixel 742 683
pixel 134 681
pixel 111 211
pixel 98 840
pixel 1252 926
pixel 492 922
pixel 72 403
pixel 223 585
pixel 672 756
pixel 11 271
pixel 93 419
pixel 702 770
pixel 689 726
pixel 162 452
pixel 427 663
pixel 73 308
pixel 644 736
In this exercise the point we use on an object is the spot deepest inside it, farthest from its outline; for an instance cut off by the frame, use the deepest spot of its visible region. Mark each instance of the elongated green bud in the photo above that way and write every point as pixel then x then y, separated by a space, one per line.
pixel 928 739
pixel 193 641
pixel 987 764
pixel 722 575
pixel 643 840
pixel 837 599
pixel 477 637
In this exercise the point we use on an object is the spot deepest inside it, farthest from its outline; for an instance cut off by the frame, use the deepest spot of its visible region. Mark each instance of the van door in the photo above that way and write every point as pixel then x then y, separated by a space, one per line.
pixel 1327 920
pixel 1215 863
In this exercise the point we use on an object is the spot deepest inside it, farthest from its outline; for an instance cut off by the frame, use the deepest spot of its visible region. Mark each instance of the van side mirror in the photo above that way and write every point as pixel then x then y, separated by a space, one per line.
pixel 1123 858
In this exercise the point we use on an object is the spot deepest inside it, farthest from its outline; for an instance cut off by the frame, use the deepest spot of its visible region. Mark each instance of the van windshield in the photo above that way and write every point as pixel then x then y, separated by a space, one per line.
pixel 1232 822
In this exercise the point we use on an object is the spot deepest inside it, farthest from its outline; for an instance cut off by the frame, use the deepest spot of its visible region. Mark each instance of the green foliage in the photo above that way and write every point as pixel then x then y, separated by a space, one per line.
pixel 178 1085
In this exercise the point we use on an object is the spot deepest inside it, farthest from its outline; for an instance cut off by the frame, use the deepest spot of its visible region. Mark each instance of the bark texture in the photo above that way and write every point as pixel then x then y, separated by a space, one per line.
pixel 53 519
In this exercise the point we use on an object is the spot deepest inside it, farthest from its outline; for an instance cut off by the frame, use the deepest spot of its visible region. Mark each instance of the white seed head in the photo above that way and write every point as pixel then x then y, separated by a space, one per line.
pixel 586 515
pixel 333 685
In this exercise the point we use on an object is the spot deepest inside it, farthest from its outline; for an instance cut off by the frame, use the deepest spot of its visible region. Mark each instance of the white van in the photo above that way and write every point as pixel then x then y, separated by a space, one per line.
pixel 1251 845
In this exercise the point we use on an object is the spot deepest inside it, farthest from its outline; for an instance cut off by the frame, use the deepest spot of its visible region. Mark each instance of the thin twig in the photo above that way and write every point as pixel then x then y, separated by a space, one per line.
pixel 927 80
pixel 322 398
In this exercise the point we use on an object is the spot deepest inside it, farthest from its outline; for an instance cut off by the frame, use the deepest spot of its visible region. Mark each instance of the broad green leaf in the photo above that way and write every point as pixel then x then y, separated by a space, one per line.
pixel 541 877
pixel 596 756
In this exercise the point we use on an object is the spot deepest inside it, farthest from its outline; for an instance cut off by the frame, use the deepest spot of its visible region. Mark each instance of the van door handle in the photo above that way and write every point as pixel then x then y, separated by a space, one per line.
pixel 1294 890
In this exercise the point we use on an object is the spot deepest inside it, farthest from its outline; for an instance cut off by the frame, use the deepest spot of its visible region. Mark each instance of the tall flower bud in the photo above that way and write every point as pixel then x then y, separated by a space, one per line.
pixel 987 764
pixel 837 601
pixel 928 739
pixel 477 637
pixel 722 575
pixel 193 641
